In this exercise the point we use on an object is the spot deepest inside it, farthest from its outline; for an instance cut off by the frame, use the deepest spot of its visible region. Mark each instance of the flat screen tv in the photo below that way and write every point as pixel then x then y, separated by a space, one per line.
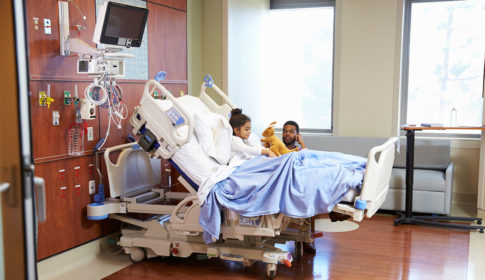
pixel 119 25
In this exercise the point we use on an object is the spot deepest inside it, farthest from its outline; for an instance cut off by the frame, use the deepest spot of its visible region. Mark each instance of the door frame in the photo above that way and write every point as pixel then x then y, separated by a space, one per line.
pixel 17 202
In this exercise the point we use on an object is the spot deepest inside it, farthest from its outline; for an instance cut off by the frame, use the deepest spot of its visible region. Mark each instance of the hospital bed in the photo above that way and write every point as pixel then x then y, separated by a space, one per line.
pixel 168 129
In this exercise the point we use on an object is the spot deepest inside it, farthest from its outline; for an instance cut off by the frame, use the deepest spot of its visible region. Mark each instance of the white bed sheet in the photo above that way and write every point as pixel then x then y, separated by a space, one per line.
pixel 203 170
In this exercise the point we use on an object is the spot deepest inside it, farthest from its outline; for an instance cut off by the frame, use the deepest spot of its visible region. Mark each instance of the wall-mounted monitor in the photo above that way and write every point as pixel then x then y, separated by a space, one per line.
pixel 120 25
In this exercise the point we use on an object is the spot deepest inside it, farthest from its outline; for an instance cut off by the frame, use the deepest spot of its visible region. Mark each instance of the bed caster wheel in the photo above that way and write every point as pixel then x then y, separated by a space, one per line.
pixel 137 254
pixel 271 270
pixel 298 250
pixel 395 224
pixel 481 230
pixel 479 222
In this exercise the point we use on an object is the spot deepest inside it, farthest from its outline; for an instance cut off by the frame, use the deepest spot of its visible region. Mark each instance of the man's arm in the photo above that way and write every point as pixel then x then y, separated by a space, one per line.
pixel 300 140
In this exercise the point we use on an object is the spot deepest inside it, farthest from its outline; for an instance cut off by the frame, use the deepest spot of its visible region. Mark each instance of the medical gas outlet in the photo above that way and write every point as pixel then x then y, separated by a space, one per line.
pixel 45 100
pixel 68 99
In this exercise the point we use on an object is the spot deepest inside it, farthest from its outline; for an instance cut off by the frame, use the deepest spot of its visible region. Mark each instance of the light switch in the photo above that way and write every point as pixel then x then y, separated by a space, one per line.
pixel 36 23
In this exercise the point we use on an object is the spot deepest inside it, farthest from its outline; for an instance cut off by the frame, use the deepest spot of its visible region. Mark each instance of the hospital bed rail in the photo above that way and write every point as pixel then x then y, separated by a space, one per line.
pixel 157 136
pixel 151 126
pixel 375 185
pixel 225 108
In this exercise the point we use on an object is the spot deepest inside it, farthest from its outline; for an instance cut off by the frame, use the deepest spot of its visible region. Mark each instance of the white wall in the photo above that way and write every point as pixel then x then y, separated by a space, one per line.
pixel 194 45
pixel 245 38
pixel 212 40
pixel 204 42
pixel 367 51
pixel 465 155
pixel 367 70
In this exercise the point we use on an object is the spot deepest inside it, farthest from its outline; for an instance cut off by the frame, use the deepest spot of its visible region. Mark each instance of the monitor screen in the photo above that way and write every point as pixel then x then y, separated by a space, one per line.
pixel 123 25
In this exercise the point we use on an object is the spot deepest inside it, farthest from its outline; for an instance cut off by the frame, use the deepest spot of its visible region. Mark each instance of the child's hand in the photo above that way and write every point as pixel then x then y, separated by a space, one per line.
pixel 271 154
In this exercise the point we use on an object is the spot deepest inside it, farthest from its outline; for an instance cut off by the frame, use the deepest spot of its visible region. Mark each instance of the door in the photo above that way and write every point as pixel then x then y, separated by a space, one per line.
pixel 17 259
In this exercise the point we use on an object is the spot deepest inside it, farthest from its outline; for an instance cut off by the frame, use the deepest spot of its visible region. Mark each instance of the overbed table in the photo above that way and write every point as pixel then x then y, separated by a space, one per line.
pixel 438 221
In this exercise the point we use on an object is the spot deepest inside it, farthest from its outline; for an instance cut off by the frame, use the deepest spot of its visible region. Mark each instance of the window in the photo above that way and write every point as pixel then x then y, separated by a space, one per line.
pixel 444 79
pixel 298 66
pixel 283 58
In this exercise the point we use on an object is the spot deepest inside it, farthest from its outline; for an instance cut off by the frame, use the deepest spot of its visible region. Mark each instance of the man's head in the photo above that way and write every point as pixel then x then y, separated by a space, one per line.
pixel 290 131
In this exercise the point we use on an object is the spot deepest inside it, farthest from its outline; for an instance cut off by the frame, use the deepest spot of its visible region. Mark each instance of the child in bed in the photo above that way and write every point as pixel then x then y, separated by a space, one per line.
pixel 244 144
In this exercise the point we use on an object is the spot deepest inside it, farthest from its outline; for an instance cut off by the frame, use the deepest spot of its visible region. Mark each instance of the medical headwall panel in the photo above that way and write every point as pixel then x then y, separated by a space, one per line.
pixel 50 141
pixel 44 58
pixel 67 176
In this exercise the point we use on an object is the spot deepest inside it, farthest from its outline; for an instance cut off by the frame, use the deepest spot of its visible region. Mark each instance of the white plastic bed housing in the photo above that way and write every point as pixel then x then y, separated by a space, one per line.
pixel 164 125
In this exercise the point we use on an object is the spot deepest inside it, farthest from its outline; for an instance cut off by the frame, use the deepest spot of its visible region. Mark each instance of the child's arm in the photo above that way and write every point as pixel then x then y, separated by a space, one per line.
pixel 268 152
pixel 238 145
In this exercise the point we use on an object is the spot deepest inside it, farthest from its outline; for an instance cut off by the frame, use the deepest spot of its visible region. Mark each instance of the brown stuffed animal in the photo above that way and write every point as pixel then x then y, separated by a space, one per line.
pixel 275 144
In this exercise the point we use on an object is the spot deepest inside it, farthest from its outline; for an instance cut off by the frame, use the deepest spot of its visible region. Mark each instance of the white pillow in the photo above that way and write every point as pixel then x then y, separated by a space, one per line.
pixel 214 136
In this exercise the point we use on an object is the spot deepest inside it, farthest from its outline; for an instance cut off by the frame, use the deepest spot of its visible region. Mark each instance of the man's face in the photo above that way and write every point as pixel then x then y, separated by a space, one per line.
pixel 289 134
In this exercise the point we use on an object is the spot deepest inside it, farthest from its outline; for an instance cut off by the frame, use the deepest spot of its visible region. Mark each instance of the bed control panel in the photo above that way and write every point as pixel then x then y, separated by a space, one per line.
pixel 175 116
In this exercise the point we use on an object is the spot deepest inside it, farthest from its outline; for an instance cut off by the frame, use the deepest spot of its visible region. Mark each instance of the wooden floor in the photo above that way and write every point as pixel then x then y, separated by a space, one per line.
pixel 377 250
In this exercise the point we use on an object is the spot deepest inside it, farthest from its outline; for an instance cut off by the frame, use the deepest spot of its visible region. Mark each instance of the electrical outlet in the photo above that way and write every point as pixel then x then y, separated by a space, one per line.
pixel 55 117
pixel 90 133
pixel 47 26
pixel 92 187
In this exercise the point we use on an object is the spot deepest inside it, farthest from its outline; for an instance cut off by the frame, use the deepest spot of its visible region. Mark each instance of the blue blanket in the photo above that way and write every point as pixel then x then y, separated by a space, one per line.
pixel 299 184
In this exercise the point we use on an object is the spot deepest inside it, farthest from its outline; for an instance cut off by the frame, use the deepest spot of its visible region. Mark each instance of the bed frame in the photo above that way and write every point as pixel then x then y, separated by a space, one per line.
pixel 173 229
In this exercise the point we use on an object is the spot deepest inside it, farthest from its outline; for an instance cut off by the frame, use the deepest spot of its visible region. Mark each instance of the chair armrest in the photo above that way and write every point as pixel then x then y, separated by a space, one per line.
pixel 448 187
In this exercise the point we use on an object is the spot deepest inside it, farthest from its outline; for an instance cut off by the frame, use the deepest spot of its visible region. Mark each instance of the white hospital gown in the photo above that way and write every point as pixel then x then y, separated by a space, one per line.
pixel 242 150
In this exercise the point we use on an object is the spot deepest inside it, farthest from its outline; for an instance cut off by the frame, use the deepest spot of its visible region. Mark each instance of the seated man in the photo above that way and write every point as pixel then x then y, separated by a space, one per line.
pixel 292 139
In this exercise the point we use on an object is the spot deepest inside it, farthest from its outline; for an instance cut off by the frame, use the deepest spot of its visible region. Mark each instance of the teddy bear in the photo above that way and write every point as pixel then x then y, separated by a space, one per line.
pixel 275 144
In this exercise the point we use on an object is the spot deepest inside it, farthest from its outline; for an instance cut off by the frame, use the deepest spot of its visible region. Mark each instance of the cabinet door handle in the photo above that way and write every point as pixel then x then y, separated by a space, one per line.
pixel 4 186
pixel 41 204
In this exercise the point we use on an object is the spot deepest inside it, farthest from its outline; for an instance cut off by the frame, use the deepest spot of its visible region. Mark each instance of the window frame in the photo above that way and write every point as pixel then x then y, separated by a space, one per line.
pixel 309 4
pixel 405 75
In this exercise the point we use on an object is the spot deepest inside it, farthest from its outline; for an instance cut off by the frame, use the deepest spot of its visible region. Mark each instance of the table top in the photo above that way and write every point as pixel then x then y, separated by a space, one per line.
pixel 416 127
